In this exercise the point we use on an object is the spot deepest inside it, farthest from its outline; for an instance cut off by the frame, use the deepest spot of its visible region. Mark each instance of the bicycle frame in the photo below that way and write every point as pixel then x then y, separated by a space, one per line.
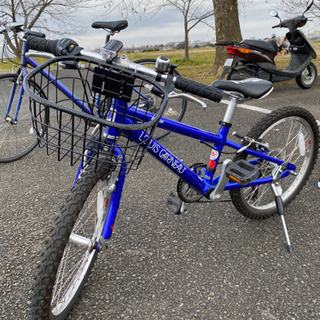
pixel 209 186
pixel 209 183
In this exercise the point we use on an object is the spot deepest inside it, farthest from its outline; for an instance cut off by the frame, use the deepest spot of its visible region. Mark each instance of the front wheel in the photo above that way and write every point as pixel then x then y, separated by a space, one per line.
pixel 17 136
pixel 292 135
pixel 71 250
pixel 308 77
pixel 175 108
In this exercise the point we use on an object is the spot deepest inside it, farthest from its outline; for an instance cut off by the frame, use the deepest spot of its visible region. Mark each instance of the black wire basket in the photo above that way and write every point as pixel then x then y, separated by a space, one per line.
pixel 103 114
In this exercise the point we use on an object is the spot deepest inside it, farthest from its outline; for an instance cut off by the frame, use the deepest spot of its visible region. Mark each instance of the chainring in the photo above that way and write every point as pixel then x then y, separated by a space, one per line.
pixel 185 191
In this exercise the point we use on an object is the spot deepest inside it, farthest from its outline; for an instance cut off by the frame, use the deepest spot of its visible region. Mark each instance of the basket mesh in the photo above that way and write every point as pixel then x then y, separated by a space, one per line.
pixel 106 115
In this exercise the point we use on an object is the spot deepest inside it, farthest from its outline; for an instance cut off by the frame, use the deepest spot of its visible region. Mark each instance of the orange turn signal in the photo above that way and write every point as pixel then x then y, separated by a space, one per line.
pixel 243 50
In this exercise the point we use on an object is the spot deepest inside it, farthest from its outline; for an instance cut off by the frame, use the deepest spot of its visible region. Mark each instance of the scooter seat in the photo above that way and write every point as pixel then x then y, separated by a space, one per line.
pixel 269 45
pixel 250 88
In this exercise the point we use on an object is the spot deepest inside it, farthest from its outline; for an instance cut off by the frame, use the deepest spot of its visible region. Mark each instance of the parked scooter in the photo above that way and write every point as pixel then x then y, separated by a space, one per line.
pixel 255 58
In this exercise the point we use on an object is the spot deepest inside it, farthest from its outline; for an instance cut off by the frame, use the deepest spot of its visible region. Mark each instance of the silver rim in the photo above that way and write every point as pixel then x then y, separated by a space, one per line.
pixel 79 252
pixel 307 77
pixel 290 139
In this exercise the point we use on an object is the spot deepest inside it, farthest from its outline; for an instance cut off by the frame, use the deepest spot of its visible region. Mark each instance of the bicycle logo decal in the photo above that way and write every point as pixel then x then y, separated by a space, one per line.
pixel 167 157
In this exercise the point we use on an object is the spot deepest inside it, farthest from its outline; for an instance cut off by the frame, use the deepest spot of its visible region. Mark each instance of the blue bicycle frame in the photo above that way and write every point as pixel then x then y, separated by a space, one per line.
pixel 208 183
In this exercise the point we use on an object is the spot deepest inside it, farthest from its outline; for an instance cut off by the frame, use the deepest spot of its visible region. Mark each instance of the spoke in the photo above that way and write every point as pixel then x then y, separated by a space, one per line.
pixel 64 278
pixel 81 222
pixel 262 191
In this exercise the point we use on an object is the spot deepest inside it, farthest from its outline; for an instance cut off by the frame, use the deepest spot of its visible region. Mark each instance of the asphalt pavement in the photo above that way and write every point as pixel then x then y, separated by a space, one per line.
pixel 210 263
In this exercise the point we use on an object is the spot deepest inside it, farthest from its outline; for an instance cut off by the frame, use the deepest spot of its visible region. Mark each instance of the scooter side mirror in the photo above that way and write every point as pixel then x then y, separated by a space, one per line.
pixel 274 13
pixel 309 5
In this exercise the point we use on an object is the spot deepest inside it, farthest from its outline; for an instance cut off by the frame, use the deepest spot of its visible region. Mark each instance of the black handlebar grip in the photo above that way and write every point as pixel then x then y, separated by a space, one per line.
pixel 41 44
pixel 64 46
pixel 198 89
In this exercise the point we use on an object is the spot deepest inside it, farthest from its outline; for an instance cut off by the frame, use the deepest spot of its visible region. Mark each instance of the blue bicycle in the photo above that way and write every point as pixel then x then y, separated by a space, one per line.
pixel 107 123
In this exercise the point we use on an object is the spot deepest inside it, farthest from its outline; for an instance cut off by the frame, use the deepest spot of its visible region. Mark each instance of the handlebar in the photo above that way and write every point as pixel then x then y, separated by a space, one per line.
pixel 60 47
pixel 17 27
pixel 109 54
pixel 293 23
pixel 198 89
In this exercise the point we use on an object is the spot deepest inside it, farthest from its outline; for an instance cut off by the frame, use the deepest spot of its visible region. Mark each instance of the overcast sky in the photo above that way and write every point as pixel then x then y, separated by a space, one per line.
pixel 168 26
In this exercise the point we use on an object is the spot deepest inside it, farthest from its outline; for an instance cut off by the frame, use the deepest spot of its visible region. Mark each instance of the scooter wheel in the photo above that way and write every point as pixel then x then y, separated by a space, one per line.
pixel 308 77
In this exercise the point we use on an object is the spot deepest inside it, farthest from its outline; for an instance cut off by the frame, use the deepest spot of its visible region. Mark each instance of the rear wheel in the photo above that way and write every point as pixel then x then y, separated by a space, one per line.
pixel 175 108
pixel 292 135
pixel 308 77
pixel 17 137
pixel 71 250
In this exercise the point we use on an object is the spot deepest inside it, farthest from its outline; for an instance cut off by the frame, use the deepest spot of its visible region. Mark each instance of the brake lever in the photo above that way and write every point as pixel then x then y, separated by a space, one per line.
pixel 174 95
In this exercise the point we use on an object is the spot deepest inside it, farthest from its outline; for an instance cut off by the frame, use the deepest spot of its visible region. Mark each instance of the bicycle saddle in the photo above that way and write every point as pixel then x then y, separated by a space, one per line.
pixel 114 26
pixel 250 88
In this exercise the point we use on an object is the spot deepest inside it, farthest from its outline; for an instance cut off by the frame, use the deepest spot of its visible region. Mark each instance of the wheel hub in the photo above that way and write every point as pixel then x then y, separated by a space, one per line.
pixel 10 120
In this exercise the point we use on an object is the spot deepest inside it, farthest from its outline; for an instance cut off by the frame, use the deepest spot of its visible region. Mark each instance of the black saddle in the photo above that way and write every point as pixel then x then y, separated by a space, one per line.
pixel 250 88
pixel 269 45
pixel 114 26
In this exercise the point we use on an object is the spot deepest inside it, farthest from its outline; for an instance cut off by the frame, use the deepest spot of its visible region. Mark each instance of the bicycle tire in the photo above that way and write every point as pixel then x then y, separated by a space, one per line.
pixel 174 110
pixel 46 301
pixel 296 140
pixel 16 139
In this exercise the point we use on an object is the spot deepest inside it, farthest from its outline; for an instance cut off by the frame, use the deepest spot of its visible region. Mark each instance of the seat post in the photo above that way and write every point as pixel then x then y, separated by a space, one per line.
pixel 235 97
pixel 109 34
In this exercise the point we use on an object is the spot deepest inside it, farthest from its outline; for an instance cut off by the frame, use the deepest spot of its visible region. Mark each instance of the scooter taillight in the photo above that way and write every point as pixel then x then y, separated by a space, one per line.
pixel 234 52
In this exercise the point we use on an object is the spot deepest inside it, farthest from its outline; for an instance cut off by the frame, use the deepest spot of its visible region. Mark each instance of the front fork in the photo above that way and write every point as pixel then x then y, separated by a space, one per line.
pixel 8 118
pixel 108 206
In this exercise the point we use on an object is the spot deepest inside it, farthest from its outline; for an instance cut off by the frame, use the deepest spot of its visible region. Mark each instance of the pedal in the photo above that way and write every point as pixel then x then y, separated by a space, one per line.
pixel 175 204
pixel 242 172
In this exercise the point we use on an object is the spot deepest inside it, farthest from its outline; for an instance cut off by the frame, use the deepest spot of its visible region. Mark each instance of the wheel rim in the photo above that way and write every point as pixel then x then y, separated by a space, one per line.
pixel 77 258
pixel 293 138
pixel 308 76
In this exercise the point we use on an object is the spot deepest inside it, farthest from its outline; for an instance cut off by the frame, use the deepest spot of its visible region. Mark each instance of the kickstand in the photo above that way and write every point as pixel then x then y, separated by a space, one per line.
pixel 279 202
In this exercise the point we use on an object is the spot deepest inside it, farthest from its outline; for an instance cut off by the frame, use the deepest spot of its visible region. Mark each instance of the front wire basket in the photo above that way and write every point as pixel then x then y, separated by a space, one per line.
pixel 101 114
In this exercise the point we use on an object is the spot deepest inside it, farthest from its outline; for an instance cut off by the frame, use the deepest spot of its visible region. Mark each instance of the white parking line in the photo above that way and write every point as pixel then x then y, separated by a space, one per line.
pixel 248 107
pixel 258 109
pixel 253 108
